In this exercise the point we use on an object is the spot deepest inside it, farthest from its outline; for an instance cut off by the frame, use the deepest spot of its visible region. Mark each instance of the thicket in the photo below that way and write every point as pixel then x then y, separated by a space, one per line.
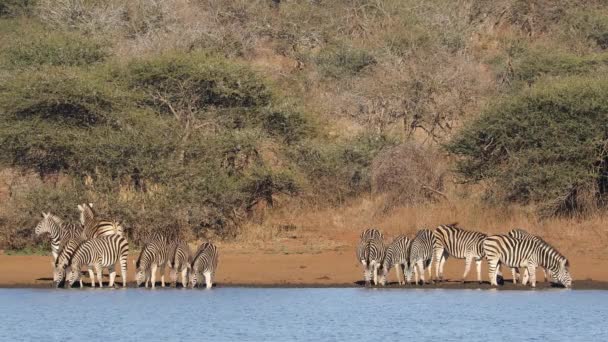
pixel 545 146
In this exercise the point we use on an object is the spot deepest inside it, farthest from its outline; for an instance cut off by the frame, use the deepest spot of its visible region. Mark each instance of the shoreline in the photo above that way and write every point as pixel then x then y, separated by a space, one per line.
pixel 447 285
pixel 329 269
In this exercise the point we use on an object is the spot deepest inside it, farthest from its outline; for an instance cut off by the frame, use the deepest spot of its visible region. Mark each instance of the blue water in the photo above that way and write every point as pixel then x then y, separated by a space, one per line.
pixel 254 314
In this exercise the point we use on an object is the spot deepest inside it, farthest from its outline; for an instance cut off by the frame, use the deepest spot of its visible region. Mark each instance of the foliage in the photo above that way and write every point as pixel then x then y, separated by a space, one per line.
pixel 543 146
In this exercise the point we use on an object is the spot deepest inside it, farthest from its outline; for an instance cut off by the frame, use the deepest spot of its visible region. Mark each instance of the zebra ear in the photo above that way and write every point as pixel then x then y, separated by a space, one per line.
pixel 90 204
pixel 43 214
pixel 80 207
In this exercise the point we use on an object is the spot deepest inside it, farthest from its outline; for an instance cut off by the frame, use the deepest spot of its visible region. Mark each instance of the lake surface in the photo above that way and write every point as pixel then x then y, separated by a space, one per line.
pixel 275 314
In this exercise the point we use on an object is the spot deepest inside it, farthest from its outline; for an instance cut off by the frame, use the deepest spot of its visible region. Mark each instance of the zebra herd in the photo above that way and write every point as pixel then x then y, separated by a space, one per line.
pixel 97 244
pixel 518 250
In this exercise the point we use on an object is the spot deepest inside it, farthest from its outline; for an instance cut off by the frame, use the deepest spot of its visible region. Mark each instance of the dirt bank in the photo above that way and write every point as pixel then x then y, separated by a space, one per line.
pixel 325 269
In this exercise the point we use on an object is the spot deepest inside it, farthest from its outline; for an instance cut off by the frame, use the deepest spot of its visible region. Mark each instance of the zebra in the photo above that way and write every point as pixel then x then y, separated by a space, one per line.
pixel 397 254
pixel 370 253
pixel 204 263
pixel 66 250
pixel 57 229
pixel 99 253
pixel 179 257
pixel 94 227
pixel 153 255
pixel 421 255
pixel 521 234
pixel 530 253
pixel 459 243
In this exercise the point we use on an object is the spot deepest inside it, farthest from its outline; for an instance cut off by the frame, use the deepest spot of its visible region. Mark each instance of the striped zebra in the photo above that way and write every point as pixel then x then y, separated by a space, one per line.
pixel 58 230
pixel 204 263
pixel 528 254
pixel 460 244
pixel 370 253
pixel 99 253
pixel 153 255
pixel 421 255
pixel 94 227
pixel 397 254
pixel 521 234
pixel 66 250
pixel 179 257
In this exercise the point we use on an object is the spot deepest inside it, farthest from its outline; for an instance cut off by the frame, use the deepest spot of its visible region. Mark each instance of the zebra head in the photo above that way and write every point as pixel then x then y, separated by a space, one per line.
pixel 72 276
pixel 140 276
pixel 86 212
pixel 58 274
pixel 193 276
pixel 563 274
pixel 44 226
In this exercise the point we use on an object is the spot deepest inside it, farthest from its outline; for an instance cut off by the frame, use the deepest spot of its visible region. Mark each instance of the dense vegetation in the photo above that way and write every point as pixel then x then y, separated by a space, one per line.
pixel 192 115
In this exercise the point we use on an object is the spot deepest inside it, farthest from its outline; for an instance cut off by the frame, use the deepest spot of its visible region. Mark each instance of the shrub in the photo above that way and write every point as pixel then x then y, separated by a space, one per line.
pixel 343 61
pixel 542 146
pixel 536 63
pixel 32 48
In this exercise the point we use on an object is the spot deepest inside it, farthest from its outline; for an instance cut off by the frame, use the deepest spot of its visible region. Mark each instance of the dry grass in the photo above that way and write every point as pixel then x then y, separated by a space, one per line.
pixel 315 229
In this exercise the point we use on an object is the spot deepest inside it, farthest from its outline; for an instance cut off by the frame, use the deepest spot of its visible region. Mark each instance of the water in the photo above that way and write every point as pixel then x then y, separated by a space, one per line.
pixel 254 314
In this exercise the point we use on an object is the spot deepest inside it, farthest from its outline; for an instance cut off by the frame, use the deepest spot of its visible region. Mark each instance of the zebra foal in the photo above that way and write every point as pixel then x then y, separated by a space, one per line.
pixel 421 255
pixel 397 254
pixel 203 264
pixel 370 253
pixel 179 257
pixel 528 254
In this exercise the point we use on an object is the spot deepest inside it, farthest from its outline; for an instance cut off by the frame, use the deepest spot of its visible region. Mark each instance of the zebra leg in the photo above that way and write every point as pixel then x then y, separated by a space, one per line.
pixel 208 281
pixel 123 271
pixel 492 271
pixel 153 275
pixel 532 272
pixel 162 276
pixel 184 277
pixel 420 266
pixel 429 268
pixel 442 264
pixel 546 272
pixel 367 274
pixel 98 270
pixel 514 275
pixel 375 273
pixel 467 267
pixel 397 274
pixel 91 276
pixel 438 257
pixel 478 265
pixel 112 273
pixel 525 277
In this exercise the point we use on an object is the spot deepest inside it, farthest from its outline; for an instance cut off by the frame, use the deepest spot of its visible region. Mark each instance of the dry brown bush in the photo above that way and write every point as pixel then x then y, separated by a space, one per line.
pixel 409 174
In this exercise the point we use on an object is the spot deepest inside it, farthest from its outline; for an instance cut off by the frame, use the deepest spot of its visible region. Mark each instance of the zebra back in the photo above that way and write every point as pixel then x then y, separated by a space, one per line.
pixel 94 227
pixel 458 242
pixel 371 234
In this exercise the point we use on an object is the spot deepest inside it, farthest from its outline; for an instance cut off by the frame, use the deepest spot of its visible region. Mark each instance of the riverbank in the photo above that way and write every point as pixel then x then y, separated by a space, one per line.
pixel 337 268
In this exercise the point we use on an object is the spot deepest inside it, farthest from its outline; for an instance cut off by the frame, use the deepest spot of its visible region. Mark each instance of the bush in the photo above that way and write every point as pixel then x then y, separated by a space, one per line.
pixel 544 146
pixel 32 48
pixel 408 174
pixel 338 171
pixel 536 63
pixel 343 61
